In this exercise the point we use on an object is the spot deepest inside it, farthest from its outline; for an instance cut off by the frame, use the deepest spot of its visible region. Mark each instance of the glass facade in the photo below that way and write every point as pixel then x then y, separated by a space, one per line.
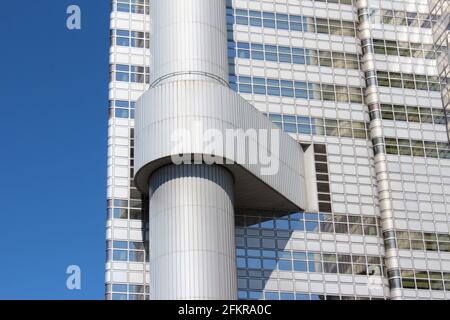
pixel 313 69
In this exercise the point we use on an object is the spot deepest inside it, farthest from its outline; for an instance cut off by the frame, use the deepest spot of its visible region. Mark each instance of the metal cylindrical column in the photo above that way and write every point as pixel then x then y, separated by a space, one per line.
pixel 189 41
pixel 192 246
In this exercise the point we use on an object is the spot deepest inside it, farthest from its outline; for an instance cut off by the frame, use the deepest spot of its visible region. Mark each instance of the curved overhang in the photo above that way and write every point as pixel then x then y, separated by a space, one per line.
pixel 206 121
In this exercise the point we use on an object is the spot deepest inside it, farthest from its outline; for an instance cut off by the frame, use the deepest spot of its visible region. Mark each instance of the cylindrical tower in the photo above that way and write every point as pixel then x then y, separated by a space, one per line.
pixel 189 40
pixel 192 251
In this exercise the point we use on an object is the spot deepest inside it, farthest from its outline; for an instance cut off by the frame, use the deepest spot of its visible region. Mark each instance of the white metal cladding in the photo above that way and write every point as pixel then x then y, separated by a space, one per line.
pixel 192 245
pixel 163 110
pixel 189 37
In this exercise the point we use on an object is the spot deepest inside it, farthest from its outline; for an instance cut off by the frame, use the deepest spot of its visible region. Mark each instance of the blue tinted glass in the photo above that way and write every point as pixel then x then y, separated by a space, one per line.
pixel 300 266
pixel 122 77
pixel 300 296
pixel 122 7
pixel 244 54
pixel 296 26
pixel 297 225
pixel 285 265
pixel 271 56
pixel 282 16
pixel 258 55
pixel 240 252
pixel 123 33
pixel 298 59
pixel 122 113
pixel 284 49
pixel 312 226
pixel 289 119
pixel 259 89
pixel 260 81
pixel 269 15
pixel 254 13
pixel 272 82
pixel 245 88
pixel 269 23
pixel 275 117
pixel 245 79
pixel 269 254
pixel 285 58
pixel 304 129
pixel 120 255
pixel 243 45
pixel 242 294
pixel 286 92
pixel 122 67
pixel 282 224
pixel 241 263
pixel 272 296
pixel 271 48
pixel 299 255
pixel 255 22
pixel 119 288
pixel 255 295
pixel 254 263
pixel 121 104
pixel 242 20
pixel 256 46
pixel 253 253
pixel 283 25
pixel 287 296
pixel 120 244
pixel 117 296
pixel 291 128
pixel 269 264
pixel 273 91
pixel 241 12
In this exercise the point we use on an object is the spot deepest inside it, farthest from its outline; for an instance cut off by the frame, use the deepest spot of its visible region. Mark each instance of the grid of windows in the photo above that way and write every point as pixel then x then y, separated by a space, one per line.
pixel 350 2
pixel 124 291
pixel 404 49
pixel 130 73
pixel 125 209
pixel 403 18
pixel 417 148
pixel 412 114
pixel 425 280
pixel 296 89
pixel 309 222
pixel 269 295
pixel 127 38
pixel 307 261
pixel 415 240
pixel 290 22
pixel 132 6
pixel 323 180
pixel 122 109
pixel 282 54
pixel 131 251
pixel 408 81
pixel 320 126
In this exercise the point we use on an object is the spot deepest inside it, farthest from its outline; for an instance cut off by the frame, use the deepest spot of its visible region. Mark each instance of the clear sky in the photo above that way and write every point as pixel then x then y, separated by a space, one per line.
pixel 53 131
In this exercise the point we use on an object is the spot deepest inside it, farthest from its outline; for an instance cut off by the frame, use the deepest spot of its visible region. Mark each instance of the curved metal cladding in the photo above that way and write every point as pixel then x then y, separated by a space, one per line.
pixel 175 107
pixel 190 40
pixel 192 249
pixel 377 136
pixel 192 205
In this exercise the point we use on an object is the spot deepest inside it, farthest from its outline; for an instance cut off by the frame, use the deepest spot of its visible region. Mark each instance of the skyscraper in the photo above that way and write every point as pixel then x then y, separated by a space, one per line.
pixel 358 208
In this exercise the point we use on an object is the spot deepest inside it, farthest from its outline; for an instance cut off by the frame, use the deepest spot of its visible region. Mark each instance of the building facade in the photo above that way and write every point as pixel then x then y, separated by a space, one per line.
pixel 362 87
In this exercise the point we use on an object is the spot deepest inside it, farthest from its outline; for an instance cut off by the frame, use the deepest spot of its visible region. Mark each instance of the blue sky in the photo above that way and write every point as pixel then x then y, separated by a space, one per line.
pixel 53 133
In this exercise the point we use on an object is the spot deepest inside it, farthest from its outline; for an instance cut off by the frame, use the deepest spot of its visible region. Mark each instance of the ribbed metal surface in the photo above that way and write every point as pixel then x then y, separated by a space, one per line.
pixel 192 248
pixel 190 38
pixel 213 106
